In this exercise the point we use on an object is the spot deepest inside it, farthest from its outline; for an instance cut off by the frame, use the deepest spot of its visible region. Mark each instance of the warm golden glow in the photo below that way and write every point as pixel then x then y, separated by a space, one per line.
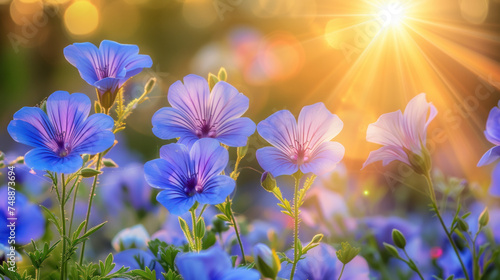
pixel 81 18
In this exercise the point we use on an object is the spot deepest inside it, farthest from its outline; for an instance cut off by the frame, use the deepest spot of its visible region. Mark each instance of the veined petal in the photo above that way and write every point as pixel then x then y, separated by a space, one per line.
pixel 226 103
pixel 161 174
pixel 190 98
pixel 67 112
pixel 275 161
pixel 114 56
pixel 235 133
pixel 136 63
pixel 387 130
pixel 417 119
pixel 495 181
pixel 324 159
pixel 316 125
pixel 169 123
pixel 85 57
pixel 177 155
pixel 108 84
pixel 387 154
pixel 209 157
pixel 176 201
pixel 31 126
pixel 44 159
pixel 94 136
pixel 216 189
pixel 280 130
pixel 493 126
pixel 490 156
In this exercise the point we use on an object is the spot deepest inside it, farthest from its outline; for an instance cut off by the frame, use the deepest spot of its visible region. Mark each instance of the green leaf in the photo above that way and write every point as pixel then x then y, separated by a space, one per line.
pixel 52 218
pixel 222 75
pixel 107 162
pixel 347 252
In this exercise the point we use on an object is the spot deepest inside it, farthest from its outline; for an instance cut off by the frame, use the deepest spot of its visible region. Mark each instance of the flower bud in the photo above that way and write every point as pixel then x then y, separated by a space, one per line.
pixel 462 225
pixel 133 237
pixel 484 218
pixel 398 238
pixel 242 151
pixel 266 261
pixel 421 163
pixel 267 181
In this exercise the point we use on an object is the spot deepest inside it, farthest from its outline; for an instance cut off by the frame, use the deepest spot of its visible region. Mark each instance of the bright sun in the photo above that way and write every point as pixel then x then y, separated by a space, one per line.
pixel 392 14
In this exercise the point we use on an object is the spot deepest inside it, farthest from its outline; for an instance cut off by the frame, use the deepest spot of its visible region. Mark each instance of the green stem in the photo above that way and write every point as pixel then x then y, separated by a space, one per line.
pixel 77 181
pixel 37 274
pixel 475 269
pixel 438 214
pixel 235 226
pixel 194 222
pixel 87 218
pixel 342 271
pixel 414 268
pixel 63 221
pixel 296 225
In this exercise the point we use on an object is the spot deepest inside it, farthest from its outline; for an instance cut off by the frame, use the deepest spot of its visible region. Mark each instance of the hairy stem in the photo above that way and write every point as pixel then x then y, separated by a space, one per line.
pixel 438 214
pixel 63 221
pixel 235 226
pixel 91 197
pixel 77 182
pixel 296 226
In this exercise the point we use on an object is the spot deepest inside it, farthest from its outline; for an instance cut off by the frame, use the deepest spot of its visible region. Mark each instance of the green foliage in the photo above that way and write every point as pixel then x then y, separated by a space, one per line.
pixel 5 273
pixel 101 271
pixel 39 255
pixel 347 253
pixel 76 239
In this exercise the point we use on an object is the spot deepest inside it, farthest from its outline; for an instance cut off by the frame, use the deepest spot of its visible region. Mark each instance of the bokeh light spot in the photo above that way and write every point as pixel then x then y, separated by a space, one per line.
pixel 81 18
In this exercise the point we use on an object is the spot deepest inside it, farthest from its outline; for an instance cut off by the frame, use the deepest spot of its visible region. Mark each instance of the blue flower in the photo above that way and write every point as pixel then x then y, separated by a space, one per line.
pixel 30 223
pixel 305 146
pixel 186 176
pixel 63 134
pixel 321 263
pixel 212 264
pixel 492 133
pixel 196 113
pixel 108 67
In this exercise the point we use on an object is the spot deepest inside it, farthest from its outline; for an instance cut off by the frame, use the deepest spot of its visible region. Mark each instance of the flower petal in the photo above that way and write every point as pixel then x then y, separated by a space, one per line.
pixel 495 182
pixel 216 189
pixel 417 119
pixel 108 84
pixel 177 155
pixel 95 135
pixel 226 103
pixel 170 123
pixel 85 57
pixel 490 156
pixel 387 154
pixel 190 98
pixel 316 125
pixel 210 264
pixel 387 130
pixel 275 161
pixel 114 57
pixel 279 129
pixel 324 159
pixel 176 201
pixel 161 174
pixel 44 159
pixel 241 273
pixel 31 126
pixel 67 112
pixel 493 126
pixel 235 133
pixel 209 157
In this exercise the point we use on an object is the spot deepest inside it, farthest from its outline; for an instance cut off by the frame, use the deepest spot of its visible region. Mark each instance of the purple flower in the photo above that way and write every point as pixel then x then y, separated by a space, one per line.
pixel 304 145
pixel 30 223
pixel 492 133
pixel 212 264
pixel 321 263
pixel 196 113
pixel 132 237
pixel 186 176
pixel 63 134
pixel 108 67
pixel 401 134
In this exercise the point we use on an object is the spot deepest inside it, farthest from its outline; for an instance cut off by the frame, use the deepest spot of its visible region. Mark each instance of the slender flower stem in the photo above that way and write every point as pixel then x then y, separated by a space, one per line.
pixel 195 236
pixel 37 274
pixel 438 214
pixel 296 225
pixel 414 268
pixel 235 225
pixel 92 191
pixel 342 271
pixel 63 221
pixel 77 182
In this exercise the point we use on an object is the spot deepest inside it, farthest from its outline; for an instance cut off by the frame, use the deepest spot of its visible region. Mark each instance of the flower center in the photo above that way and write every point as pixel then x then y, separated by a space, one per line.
pixel 103 72
pixel 192 186
pixel 300 153
pixel 205 129
pixel 63 148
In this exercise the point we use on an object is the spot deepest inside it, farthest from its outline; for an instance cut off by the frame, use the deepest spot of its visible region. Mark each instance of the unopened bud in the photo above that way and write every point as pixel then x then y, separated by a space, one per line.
pixel 267 181
pixel 398 238
pixel 266 261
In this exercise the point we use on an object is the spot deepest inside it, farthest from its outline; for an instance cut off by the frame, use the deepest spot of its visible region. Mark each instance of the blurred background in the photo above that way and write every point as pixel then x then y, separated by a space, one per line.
pixel 361 58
